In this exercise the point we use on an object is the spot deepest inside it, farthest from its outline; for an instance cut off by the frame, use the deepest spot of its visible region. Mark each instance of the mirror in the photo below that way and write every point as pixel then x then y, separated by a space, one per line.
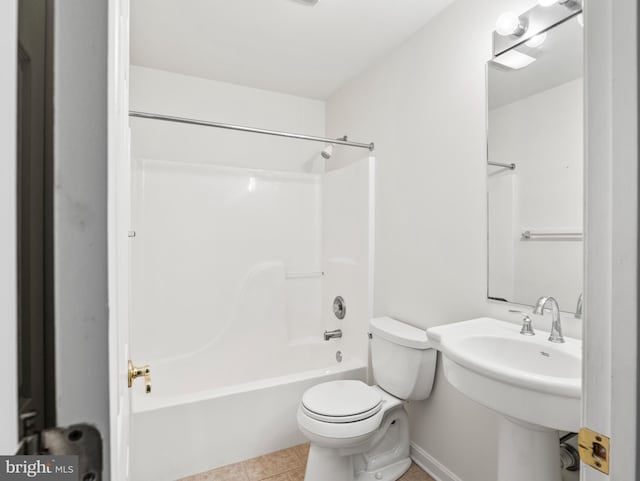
pixel 535 206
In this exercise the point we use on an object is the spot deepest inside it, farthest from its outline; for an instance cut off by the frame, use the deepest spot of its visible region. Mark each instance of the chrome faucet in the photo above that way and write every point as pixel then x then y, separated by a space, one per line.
pixel 335 334
pixel 556 328
pixel 578 314
pixel 527 329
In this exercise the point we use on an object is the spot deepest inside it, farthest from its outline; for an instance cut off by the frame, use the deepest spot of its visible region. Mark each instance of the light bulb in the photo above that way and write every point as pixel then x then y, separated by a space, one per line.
pixel 536 41
pixel 509 24
pixel 580 18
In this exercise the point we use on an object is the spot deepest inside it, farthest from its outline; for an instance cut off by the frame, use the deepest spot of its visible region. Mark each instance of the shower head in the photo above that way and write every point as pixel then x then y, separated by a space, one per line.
pixel 327 151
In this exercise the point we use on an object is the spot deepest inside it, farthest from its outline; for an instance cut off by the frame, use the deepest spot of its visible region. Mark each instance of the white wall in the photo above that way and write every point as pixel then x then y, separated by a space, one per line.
pixel 157 91
pixel 80 215
pixel 542 133
pixel 424 106
pixel 8 253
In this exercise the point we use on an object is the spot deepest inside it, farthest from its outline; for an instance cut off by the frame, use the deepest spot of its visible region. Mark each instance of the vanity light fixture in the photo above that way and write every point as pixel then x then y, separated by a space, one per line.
pixel 537 40
pixel 516 29
pixel 510 24
pixel 514 60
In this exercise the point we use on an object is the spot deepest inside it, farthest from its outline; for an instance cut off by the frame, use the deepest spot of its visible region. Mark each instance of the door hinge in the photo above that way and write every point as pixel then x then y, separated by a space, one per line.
pixel 594 449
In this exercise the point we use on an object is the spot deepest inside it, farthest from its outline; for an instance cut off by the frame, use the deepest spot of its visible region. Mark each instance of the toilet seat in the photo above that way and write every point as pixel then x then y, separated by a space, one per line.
pixel 341 402
pixel 371 402
pixel 341 419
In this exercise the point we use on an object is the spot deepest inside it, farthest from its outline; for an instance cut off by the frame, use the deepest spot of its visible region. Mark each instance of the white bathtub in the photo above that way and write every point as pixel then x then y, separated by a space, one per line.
pixel 176 434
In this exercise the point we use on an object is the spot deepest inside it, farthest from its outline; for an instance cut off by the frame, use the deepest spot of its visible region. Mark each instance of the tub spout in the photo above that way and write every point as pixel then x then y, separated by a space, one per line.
pixel 335 334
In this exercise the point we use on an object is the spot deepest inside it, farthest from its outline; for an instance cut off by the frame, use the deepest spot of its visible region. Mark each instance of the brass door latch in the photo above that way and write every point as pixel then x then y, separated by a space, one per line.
pixel 594 449
pixel 143 371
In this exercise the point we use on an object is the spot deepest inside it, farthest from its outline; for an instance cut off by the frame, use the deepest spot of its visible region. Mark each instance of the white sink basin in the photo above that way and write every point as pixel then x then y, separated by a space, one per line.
pixel 523 377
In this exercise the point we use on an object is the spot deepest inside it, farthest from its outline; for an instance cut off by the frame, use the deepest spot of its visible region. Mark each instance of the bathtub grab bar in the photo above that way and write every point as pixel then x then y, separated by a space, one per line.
pixel 531 236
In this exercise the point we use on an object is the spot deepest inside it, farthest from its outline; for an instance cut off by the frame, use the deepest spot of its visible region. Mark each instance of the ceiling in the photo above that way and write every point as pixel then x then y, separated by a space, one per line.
pixel 280 45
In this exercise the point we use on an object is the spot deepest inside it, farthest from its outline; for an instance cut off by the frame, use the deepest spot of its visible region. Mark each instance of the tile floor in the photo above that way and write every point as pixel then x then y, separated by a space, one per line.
pixel 285 465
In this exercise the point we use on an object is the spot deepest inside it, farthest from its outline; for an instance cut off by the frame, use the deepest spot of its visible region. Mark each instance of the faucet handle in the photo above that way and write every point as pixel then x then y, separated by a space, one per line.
pixel 527 328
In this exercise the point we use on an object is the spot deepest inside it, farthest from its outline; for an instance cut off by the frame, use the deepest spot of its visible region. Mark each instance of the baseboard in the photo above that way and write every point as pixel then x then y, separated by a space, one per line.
pixel 431 465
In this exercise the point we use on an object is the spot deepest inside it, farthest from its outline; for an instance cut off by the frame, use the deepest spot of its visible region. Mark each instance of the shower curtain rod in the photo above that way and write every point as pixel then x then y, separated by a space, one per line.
pixel 206 123
pixel 501 164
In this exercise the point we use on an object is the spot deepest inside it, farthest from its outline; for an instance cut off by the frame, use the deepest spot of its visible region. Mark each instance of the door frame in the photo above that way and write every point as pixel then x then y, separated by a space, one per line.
pixel 610 366
pixel 8 221
pixel 118 206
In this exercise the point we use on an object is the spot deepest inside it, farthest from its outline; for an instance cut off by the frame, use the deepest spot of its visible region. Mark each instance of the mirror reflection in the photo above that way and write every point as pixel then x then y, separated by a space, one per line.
pixel 535 169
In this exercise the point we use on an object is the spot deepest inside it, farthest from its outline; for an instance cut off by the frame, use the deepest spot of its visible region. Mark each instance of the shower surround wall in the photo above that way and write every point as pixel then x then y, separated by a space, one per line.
pixel 214 251
pixel 242 242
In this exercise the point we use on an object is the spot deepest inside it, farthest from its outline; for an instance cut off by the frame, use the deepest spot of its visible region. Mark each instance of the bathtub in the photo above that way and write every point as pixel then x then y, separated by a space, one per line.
pixel 178 431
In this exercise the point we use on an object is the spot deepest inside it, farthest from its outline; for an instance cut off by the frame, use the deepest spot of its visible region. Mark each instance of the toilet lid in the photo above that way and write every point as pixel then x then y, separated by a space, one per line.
pixel 341 401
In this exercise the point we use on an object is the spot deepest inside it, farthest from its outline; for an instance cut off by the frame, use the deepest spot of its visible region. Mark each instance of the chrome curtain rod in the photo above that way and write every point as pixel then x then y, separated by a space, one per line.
pixel 206 123
pixel 500 164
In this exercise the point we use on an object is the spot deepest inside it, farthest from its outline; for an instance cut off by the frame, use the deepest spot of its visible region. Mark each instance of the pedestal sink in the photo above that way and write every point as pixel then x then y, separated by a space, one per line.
pixel 533 383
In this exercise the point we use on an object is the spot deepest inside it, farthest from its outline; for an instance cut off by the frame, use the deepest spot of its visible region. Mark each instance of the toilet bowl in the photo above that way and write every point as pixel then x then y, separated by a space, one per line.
pixel 360 432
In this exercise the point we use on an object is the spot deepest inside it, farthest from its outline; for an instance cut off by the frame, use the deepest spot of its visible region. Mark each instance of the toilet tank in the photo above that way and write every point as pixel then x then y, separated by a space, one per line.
pixel 404 364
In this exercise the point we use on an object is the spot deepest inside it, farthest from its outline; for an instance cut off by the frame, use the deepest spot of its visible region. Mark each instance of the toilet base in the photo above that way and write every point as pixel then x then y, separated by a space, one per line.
pixel 382 457
pixel 326 464
pixel 391 472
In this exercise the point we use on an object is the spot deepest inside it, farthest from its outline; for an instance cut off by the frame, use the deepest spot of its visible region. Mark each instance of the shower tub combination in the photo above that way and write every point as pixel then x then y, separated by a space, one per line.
pixel 233 277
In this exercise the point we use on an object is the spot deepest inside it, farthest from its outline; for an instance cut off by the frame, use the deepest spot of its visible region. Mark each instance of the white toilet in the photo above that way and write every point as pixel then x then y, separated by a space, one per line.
pixel 360 432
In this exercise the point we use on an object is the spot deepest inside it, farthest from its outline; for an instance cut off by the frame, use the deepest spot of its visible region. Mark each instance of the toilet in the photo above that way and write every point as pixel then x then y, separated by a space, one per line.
pixel 360 432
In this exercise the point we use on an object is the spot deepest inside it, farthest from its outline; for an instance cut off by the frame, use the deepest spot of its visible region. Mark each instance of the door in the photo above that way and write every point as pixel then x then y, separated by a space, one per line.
pixel 8 221
pixel 611 243
pixel 118 229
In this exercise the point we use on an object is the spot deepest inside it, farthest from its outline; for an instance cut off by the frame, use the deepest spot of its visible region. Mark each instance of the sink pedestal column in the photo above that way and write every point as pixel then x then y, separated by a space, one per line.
pixel 527 452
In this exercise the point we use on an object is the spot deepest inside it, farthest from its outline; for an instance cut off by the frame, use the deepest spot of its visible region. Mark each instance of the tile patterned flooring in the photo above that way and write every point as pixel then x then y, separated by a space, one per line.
pixel 285 465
